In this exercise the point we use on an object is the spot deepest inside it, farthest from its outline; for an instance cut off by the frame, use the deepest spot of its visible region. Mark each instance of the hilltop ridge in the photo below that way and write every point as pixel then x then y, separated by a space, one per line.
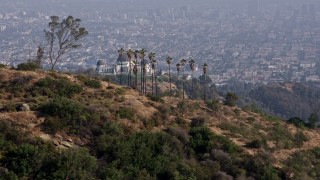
pixel 114 123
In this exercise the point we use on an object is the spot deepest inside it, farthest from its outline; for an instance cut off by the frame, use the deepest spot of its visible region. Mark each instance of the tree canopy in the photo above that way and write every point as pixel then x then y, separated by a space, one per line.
pixel 63 37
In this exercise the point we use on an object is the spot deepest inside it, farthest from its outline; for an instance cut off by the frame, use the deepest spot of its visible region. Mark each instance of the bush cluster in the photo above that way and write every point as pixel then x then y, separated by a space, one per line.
pixel 56 87
pixel 125 113
pixel 92 83
pixel 29 66
pixel 2 66
pixel 62 113
pixel 304 164
pixel 155 98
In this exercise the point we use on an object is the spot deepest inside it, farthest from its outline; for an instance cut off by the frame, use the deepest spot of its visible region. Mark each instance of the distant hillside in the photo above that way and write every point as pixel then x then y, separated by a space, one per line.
pixel 288 100
pixel 63 126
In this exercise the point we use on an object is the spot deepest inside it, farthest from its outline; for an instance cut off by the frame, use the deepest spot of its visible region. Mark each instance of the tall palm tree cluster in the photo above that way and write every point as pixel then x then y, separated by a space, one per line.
pixel 133 57
pixel 137 58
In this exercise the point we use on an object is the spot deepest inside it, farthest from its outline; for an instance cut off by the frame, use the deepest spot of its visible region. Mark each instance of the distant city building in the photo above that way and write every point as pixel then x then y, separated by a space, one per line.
pixel 103 69
pixel 122 65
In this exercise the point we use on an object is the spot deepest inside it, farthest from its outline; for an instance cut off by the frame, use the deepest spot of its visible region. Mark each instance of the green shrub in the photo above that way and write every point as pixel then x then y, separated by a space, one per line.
pixel 70 164
pixel 313 120
pixel 82 78
pixel 92 83
pixel 201 139
pixel 237 112
pixel 161 117
pixel 222 142
pixel 231 99
pixel 53 125
pixel 260 166
pixel 125 113
pixel 304 164
pixel 153 155
pixel 197 121
pixel 9 175
pixel 180 120
pixel 19 84
pixel 62 112
pixel 61 87
pixel 29 66
pixel 257 143
pixel 296 121
pixel 155 98
pixel 213 105
pixel 182 106
pixel 2 66
pixel 300 138
pixel 251 119
pixel 24 160
pixel 284 138
pixel 280 132
pixel 9 107
pixel 120 91
pixel 235 129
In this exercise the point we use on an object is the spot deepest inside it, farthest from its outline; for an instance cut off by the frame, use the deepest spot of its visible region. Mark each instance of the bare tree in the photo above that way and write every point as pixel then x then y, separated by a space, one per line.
pixel 62 37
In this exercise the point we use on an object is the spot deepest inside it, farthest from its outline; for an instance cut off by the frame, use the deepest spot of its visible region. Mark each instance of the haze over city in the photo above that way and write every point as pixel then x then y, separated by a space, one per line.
pixel 253 41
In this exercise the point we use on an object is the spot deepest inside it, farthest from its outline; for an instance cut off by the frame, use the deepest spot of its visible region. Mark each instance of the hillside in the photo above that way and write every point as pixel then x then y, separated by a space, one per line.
pixel 288 99
pixel 62 126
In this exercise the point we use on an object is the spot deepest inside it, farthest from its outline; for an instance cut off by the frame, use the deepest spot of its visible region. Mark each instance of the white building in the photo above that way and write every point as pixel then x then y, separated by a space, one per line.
pixel 121 66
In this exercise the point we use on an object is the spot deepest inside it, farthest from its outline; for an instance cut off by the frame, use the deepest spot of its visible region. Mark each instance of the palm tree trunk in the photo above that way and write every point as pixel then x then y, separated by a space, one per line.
pixel 145 80
pixel 152 76
pixel 155 78
pixel 183 84
pixel 192 86
pixel 136 79
pixel 141 77
pixel 129 74
pixel 205 88
pixel 169 81
pixel 182 88
pixel 121 73
pixel 177 82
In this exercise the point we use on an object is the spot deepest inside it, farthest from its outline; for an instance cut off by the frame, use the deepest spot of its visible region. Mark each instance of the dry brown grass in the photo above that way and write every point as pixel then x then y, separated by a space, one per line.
pixel 145 109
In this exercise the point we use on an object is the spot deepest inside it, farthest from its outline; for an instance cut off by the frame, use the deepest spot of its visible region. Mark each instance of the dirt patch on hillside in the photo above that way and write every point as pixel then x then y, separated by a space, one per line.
pixel 138 104
pixel 313 142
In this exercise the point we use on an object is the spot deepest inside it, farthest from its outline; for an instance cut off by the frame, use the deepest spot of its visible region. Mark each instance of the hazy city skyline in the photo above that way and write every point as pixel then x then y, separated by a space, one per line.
pixel 248 40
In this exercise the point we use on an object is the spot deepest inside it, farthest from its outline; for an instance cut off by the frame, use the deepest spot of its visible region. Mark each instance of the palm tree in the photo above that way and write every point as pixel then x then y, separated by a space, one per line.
pixel 192 67
pixel 121 51
pixel 169 61
pixel 205 66
pixel 178 65
pixel 142 53
pixel 135 68
pixel 152 61
pixel 156 78
pixel 183 63
pixel 130 54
